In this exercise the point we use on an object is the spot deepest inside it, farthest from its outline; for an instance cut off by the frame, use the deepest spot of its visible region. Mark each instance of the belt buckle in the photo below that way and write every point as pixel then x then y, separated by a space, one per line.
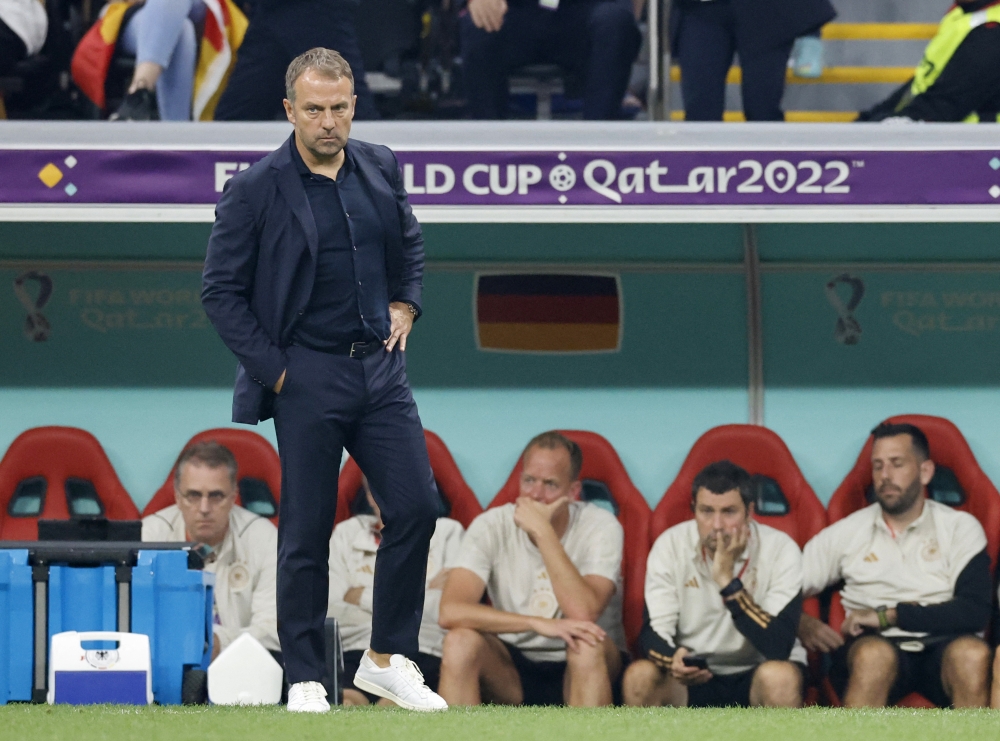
pixel 352 348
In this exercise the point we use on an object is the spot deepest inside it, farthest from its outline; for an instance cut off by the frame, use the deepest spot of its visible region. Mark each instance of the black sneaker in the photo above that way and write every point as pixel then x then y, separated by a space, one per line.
pixel 137 106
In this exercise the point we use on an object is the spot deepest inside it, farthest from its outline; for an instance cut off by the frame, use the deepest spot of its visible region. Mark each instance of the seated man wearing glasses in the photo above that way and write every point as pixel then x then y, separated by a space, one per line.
pixel 244 545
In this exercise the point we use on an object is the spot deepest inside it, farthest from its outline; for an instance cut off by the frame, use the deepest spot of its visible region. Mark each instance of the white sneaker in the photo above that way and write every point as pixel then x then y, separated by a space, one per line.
pixel 401 682
pixel 307 697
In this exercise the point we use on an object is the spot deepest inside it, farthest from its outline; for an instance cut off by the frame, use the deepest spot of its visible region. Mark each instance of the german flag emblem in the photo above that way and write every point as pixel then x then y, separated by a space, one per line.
pixel 548 313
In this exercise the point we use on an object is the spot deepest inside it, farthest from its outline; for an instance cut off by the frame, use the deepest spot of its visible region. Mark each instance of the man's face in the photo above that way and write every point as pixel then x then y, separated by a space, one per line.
pixel 546 475
pixel 899 475
pixel 322 113
pixel 718 514
pixel 205 497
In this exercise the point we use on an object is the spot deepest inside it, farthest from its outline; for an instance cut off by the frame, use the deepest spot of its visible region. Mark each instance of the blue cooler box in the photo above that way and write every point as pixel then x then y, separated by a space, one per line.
pixel 50 587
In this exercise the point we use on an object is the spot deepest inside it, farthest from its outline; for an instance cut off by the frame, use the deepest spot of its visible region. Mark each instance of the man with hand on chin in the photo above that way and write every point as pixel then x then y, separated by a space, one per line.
pixel 917 587
pixel 723 599
pixel 551 566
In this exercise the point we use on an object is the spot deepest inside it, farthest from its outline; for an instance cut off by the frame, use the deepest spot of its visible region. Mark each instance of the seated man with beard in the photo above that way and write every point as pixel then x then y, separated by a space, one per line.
pixel 916 587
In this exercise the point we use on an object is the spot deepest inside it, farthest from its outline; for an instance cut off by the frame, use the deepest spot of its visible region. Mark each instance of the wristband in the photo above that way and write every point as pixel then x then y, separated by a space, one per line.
pixel 412 308
pixel 732 588
pixel 883 618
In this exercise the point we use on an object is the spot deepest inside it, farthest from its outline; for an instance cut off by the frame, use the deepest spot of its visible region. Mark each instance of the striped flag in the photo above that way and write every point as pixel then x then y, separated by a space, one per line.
pixel 548 313
pixel 225 27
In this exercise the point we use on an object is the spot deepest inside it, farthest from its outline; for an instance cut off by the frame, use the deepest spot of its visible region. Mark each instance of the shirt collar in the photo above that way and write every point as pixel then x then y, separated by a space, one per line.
pixel 300 165
pixel 883 525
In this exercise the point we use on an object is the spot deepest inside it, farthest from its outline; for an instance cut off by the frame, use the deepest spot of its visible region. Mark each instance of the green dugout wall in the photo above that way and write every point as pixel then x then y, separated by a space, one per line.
pixel 727 317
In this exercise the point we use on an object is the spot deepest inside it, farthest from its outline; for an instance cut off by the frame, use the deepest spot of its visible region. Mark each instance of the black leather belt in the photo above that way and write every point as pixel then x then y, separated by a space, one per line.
pixel 357 350
pixel 361 350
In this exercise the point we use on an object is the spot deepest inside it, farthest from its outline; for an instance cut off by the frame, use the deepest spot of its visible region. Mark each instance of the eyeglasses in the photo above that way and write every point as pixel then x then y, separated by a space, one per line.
pixel 194 498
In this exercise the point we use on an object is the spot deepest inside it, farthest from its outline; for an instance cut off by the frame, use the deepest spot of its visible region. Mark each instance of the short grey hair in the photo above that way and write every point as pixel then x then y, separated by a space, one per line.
pixel 325 61
pixel 207 453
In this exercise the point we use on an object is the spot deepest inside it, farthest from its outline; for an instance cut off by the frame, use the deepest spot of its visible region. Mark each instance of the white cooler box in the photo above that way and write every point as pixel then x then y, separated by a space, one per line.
pixel 80 675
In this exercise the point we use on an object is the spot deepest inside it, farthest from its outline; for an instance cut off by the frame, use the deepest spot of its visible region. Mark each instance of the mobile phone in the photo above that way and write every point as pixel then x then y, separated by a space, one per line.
pixel 698 662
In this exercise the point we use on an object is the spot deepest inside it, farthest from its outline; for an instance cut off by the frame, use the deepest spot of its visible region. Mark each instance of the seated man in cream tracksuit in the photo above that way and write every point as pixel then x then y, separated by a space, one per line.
pixel 352 576
pixel 723 599
pixel 245 545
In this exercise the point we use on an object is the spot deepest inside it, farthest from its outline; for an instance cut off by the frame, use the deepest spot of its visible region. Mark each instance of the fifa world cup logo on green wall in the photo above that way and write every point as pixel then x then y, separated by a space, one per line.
pixel 36 326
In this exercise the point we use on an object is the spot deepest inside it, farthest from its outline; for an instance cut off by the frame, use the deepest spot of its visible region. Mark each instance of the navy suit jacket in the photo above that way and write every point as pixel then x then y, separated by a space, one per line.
pixel 261 262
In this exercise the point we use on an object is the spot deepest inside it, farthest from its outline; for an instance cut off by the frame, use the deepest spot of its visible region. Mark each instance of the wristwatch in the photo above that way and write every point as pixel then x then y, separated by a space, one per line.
pixel 413 308
pixel 734 587
pixel 883 617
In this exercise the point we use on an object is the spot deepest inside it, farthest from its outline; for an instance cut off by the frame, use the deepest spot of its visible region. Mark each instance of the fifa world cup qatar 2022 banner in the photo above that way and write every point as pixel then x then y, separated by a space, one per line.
pixel 537 178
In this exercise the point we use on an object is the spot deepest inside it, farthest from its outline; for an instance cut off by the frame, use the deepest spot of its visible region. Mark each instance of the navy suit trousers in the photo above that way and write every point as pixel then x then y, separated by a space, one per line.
pixel 328 403
pixel 597 41
pixel 707 39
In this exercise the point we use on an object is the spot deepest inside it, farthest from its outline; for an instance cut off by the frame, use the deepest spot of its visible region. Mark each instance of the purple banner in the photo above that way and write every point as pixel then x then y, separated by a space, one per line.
pixel 588 178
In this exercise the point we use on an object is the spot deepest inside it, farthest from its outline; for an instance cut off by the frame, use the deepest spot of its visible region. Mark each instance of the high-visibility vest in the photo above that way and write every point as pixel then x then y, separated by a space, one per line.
pixel 955 26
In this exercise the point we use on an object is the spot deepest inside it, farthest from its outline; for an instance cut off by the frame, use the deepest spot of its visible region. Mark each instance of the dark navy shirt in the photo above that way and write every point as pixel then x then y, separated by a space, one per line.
pixel 350 298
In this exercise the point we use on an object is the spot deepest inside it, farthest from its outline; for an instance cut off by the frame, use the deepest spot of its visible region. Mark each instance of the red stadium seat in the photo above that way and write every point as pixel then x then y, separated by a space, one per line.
pixel 258 472
pixel 759 451
pixel 948 448
pixel 601 463
pixel 451 485
pixel 56 473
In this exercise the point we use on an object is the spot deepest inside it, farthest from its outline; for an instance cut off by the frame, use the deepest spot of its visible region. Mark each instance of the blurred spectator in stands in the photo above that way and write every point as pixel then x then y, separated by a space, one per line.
pixel 352 576
pixel 959 76
pixel 551 566
pixel 594 40
pixel 723 600
pixel 23 27
pixel 177 76
pixel 917 587
pixel 244 545
pixel 705 34
pixel 281 30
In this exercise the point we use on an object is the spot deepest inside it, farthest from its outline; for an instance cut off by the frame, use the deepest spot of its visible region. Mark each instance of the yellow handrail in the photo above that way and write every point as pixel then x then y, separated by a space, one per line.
pixel 790 116
pixel 879 31
pixel 830 76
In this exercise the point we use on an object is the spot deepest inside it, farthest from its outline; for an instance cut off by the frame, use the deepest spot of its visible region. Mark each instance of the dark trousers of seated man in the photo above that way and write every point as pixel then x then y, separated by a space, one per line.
pixel 544 682
pixel 707 39
pixel 916 671
pixel 329 403
pixel 596 41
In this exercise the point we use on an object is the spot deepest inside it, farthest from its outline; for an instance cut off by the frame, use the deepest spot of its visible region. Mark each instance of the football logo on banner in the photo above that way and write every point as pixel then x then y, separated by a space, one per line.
pixel 548 313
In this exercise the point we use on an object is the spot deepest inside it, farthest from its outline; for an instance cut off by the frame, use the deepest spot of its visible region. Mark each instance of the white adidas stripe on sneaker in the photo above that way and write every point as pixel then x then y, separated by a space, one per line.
pixel 400 682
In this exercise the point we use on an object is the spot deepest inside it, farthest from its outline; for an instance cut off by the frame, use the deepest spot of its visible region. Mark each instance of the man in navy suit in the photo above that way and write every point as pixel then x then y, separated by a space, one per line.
pixel 313 279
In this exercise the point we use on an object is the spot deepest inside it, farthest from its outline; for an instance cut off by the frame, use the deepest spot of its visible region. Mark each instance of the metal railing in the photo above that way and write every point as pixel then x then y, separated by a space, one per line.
pixel 660 84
